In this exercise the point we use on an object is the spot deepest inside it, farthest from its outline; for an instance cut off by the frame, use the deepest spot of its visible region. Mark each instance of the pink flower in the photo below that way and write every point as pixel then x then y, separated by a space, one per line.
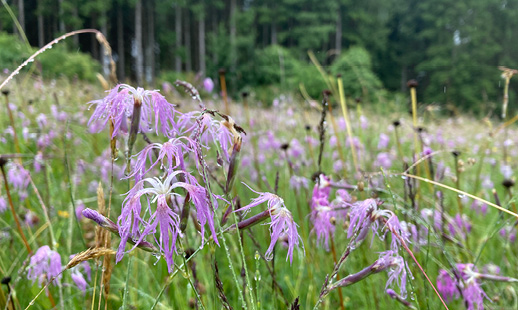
pixel 208 85
pixel 118 106
pixel 44 265
pixel 282 223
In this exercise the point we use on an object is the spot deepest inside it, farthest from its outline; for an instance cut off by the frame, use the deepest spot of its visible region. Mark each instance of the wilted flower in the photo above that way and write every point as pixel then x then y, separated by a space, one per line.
pixel 44 265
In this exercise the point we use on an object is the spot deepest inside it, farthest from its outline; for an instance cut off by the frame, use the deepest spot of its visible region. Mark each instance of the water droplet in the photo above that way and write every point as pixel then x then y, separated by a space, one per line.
pixel 461 196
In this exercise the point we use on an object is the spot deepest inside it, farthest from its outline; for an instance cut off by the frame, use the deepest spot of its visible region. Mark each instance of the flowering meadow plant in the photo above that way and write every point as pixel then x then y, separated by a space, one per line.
pixel 166 201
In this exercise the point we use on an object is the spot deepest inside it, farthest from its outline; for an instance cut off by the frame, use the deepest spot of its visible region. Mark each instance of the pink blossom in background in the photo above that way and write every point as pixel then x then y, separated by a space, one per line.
pixel 208 85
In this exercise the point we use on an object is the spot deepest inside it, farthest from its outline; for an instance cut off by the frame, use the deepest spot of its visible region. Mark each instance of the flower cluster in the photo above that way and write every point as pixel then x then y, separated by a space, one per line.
pixel 466 279
pixel 44 265
pixel 120 103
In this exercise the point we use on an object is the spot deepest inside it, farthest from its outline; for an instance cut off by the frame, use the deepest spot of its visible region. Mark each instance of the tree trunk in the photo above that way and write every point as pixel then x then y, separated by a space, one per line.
pixel 139 58
pixel 60 17
pixel 201 43
pixel 41 33
pixel 274 34
pixel 338 37
pixel 75 13
pixel 120 44
pixel 150 44
pixel 233 32
pixel 21 14
pixel 188 62
pixel 178 38
pixel 104 58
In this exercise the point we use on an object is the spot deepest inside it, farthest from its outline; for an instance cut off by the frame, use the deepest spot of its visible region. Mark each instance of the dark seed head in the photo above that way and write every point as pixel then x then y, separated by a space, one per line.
pixel 307 127
pixel 5 92
pixel 31 101
pixel 420 129
pixel 244 94
pixel 358 100
pixel 412 84
pixel 396 123
pixel 508 183
pixel 6 280
pixel 221 71
pixel 455 153
pixel 339 75
pixel 3 161
pixel 326 92
pixel 315 176
pixel 285 146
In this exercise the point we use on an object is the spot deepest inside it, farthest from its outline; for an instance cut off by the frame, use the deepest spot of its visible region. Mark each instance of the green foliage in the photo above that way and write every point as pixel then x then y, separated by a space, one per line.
pixel 13 51
pixel 58 62
pixel 356 69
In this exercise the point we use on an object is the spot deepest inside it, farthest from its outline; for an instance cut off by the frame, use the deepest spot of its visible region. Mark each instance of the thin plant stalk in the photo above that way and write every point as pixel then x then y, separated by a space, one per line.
pixel 15 216
pixel 459 192
pixel 333 250
pixel 347 122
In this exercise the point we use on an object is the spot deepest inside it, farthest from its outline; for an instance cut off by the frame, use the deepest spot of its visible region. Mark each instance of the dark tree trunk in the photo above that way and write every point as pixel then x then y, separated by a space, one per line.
pixel 41 33
pixel 150 44
pixel 178 38
pixel 201 44
pixel 187 32
pixel 120 44
pixel 338 37
pixel 139 58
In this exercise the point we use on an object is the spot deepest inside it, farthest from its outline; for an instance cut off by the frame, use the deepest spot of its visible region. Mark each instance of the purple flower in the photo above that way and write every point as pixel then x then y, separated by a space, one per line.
pixel 132 224
pixel 208 85
pixel 324 213
pixel 3 204
pixel 79 210
pixel 446 286
pixel 171 156
pixel 296 182
pixel 383 160
pixel 19 178
pixel 118 106
pixel 460 226
pixel 472 292
pixel 397 270
pixel 282 223
pixel 78 274
pixel 383 141
pixel 212 130
pixel 44 265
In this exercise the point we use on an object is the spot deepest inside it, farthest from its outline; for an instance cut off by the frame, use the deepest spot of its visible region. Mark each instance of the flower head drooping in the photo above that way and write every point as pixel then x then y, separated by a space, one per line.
pixel 282 223
pixel 44 265
pixel 118 106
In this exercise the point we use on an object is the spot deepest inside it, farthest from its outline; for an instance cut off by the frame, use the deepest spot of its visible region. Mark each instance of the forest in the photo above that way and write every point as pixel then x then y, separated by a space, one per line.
pixel 452 49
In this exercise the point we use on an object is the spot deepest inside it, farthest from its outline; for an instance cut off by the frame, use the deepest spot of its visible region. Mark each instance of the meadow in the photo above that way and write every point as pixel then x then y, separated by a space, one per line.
pixel 118 197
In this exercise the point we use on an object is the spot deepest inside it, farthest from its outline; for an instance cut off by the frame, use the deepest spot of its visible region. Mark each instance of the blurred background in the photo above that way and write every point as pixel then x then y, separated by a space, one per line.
pixel 452 48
